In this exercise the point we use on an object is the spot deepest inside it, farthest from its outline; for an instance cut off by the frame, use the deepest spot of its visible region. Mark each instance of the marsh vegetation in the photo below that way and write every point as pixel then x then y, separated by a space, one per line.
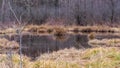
pixel 61 46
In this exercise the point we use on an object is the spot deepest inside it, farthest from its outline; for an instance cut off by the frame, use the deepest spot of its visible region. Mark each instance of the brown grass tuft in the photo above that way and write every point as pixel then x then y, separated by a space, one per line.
pixel 105 42
pixel 6 44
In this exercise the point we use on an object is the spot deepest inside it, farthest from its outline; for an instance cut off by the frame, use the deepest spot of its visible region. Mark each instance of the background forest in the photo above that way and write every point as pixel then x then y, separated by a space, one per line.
pixel 65 12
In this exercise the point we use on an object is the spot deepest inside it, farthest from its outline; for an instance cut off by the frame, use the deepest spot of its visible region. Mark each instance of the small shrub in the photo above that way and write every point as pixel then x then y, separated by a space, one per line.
pixel 91 36
pixel 50 30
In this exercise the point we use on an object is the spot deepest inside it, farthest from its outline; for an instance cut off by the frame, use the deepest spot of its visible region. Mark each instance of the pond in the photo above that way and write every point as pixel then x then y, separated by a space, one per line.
pixel 35 45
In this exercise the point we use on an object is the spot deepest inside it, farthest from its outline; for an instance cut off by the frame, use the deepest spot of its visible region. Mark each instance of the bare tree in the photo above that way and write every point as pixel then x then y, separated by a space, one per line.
pixel 19 30
pixel 112 10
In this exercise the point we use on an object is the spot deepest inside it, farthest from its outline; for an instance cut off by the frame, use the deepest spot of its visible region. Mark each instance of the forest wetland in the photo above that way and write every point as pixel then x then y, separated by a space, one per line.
pixel 59 33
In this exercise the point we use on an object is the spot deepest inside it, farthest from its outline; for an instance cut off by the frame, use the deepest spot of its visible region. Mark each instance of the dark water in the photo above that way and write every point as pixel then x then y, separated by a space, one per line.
pixel 35 45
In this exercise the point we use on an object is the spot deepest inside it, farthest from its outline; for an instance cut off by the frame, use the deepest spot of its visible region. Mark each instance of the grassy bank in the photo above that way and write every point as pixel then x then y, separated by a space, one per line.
pixel 105 42
pixel 68 29
pixel 7 44
pixel 69 58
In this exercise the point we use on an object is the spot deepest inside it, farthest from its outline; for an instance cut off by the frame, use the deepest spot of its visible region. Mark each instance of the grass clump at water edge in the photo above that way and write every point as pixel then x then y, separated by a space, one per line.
pixel 108 57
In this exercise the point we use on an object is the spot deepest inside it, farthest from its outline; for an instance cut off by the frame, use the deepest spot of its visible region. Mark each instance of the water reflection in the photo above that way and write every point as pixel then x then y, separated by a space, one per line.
pixel 61 37
pixel 35 45
pixel 82 41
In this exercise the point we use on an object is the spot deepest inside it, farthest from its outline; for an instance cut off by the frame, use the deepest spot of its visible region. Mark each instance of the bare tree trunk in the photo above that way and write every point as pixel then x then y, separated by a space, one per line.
pixel 19 32
pixel 3 10
pixel 112 11
pixel 20 43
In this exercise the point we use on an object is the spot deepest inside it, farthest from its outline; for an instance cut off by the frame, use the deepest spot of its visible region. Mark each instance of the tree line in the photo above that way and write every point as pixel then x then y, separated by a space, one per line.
pixel 79 12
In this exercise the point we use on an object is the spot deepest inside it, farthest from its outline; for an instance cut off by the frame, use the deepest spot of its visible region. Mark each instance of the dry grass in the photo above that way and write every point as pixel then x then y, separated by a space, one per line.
pixel 94 58
pixel 13 62
pixel 6 44
pixel 76 29
pixel 54 64
pixel 70 58
pixel 7 31
pixel 59 31
pixel 105 42
pixel 59 28
pixel 99 29
pixel 102 57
